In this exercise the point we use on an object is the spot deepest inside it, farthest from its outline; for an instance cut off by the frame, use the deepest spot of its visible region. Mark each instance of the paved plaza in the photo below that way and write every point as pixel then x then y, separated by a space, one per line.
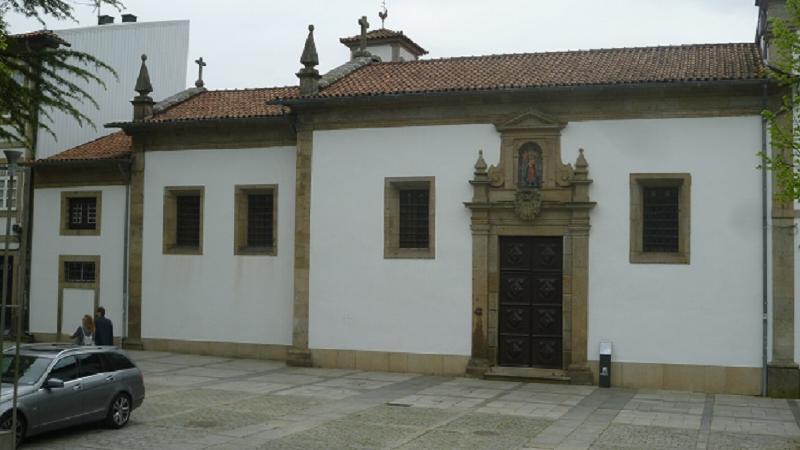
pixel 202 402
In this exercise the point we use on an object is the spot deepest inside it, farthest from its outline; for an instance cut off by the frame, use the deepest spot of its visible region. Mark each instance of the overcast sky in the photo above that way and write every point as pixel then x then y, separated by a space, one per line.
pixel 257 43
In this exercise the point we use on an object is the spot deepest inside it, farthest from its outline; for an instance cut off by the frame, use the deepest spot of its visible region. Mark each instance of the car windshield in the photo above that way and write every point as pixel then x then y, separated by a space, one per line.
pixel 31 368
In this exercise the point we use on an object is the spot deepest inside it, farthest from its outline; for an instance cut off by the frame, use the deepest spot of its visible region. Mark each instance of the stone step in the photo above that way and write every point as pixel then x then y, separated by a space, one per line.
pixel 527 375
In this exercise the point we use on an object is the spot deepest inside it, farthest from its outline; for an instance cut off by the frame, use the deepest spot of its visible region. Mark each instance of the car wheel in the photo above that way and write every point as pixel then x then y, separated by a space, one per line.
pixel 5 424
pixel 119 412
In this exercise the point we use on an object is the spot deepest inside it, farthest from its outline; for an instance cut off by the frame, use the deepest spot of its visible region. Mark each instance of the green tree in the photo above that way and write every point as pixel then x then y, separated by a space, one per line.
pixel 37 72
pixel 784 68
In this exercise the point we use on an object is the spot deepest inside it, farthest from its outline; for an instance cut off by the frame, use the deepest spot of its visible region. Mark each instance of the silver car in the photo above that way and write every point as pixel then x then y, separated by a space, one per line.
pixel 64 385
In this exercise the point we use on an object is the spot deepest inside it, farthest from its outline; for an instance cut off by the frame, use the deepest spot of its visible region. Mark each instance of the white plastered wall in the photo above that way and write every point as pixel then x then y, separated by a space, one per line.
pixel 383 50
pixel 405 55
pixel 358 299
pixel 707 312
pixel 218 296
pixel 48 244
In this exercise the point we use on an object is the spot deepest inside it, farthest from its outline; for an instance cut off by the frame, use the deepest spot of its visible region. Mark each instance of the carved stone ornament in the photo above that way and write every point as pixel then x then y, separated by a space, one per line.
pixel 527 204
pixel 496 178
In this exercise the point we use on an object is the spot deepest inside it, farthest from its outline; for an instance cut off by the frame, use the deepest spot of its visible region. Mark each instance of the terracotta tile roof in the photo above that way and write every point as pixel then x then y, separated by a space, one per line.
pixel 706 62
pixel 205 105
pixel 113 146
pixel 227 104
pixel 383 34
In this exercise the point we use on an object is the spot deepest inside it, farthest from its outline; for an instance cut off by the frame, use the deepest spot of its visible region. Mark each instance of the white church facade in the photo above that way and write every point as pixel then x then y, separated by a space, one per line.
pixel 495 216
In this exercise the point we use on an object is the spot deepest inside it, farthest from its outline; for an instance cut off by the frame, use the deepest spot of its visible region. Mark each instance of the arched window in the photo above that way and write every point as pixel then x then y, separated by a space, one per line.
pixel 529 166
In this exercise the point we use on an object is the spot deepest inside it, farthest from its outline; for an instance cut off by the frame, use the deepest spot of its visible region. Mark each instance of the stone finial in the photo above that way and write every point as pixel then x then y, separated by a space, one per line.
pixel 309 76
pixel 143 86
pixel 200 64
pixel 309 58
pixel 142 103
pixel 581 162
pixel 480 164
pixel 481 175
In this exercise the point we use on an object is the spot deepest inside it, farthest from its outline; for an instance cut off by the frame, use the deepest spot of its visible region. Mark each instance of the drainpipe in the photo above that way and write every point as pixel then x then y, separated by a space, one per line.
pixel 764 251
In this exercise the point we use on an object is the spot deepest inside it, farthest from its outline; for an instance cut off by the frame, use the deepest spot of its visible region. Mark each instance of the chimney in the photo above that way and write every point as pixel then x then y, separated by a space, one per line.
pixel 142 103
pixel 309 76
pixel 128 18
pixel 105 20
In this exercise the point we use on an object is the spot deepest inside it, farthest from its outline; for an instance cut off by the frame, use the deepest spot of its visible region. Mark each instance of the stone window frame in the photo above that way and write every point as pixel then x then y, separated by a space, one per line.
pixel 171 193
pixel 638 181
pixel 391 217
pixel 65 230
pixel 241 191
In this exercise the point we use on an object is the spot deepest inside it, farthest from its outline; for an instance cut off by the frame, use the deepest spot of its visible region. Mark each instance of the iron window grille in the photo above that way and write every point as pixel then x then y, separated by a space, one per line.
pixel 414 218
pixel 660 224
pixel 79 272
pixel 259 220
pixel 82 213
pixel 187 224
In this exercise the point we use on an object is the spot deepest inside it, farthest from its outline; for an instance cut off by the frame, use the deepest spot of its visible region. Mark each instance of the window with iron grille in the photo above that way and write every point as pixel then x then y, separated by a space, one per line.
pixel 79 272
pixel 259 220
pixel 660 218
pixel 255 212
pixel 660 232
pixel 187 221
pixel 409 216
pixel 82 213
pixel 413 218
pixel 183 220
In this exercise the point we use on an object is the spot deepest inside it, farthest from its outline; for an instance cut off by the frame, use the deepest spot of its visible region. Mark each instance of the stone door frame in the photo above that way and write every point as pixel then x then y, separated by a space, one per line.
pixel 559 207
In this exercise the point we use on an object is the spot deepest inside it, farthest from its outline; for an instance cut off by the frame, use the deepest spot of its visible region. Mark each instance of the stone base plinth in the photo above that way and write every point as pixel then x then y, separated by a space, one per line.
pixel 299 358
pixel 783 380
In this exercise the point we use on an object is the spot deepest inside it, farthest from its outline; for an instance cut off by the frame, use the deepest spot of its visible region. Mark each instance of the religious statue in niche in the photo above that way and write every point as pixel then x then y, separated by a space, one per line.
pixel 530 166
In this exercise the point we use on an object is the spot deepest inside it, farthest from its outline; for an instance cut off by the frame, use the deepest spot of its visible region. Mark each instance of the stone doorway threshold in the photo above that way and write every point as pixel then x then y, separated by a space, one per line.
pixel 528 374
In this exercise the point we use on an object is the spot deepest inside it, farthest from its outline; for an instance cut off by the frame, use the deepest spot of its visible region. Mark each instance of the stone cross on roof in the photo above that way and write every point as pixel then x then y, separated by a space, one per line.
pixel 200 64
pixel 362 46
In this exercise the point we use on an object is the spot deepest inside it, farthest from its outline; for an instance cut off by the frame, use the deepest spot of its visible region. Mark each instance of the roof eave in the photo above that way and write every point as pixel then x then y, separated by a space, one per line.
pixel 149 125
pixel 308 101
pixel 125 160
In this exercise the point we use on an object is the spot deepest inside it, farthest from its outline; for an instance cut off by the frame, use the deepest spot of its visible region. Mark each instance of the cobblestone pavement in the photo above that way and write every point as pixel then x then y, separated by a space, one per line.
pixel 202 402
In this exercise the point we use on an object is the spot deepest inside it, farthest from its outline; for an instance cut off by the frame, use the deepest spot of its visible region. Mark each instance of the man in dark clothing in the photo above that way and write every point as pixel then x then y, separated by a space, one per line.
pixel 103 328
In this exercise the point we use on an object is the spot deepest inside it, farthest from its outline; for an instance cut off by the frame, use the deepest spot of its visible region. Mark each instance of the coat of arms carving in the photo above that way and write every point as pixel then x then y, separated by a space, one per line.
pixel 527 204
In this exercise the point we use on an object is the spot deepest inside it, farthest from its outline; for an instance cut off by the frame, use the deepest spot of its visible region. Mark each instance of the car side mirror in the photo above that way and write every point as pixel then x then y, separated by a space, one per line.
pixel 53 383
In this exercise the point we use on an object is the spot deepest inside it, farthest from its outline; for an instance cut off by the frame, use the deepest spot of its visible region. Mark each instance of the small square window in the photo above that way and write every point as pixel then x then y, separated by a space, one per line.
pixel 660 212
pixel 409 218
pixel 80 213
pixel 183 220
pixel 79 271
pixel 255 224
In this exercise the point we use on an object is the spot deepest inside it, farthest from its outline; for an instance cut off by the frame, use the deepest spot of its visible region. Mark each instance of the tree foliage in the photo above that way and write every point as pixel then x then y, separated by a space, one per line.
pixel 784 68
pixel 38 72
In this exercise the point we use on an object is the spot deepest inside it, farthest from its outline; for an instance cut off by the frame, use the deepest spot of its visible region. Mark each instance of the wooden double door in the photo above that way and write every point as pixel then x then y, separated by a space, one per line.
pixel 531 302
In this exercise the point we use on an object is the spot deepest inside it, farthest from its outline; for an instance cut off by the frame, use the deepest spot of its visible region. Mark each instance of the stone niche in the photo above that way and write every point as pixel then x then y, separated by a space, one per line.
pixel 531 192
